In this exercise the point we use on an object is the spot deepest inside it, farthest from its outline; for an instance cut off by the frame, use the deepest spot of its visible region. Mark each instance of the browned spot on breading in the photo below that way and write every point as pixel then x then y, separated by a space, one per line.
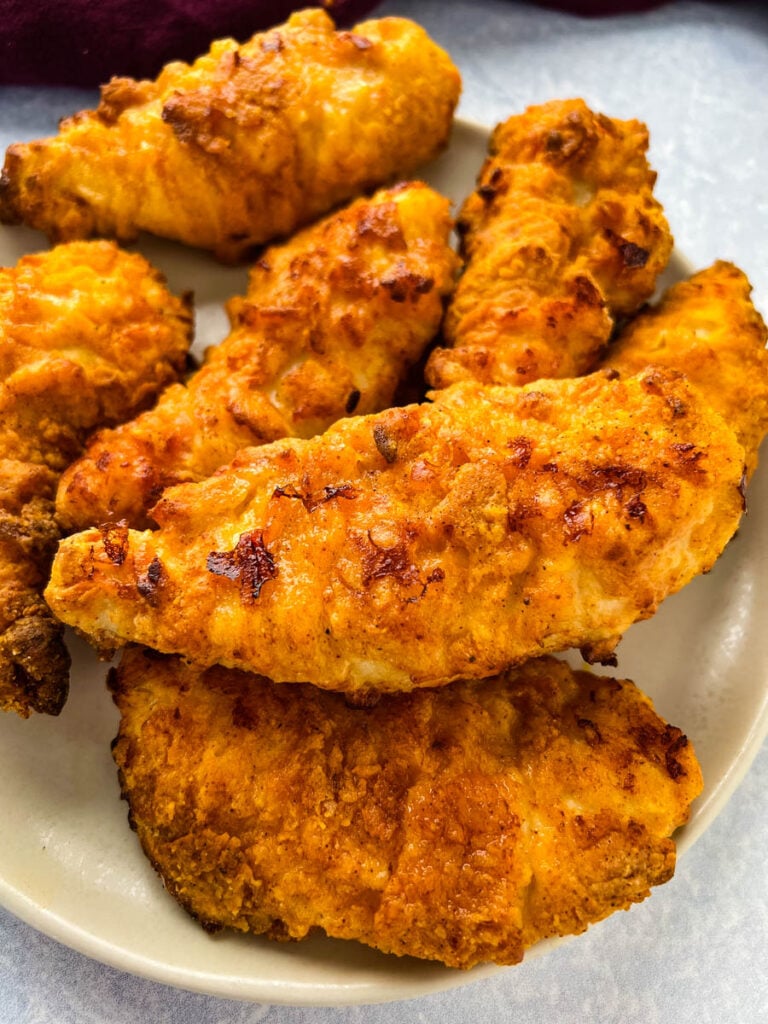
pixel 311 502
pixel 520 451
pixel 379 562
pixel 636 509
pixel 633 256
pixel 148 582
pixel 249 562
pixel 591 732
pixel 436 576
pixel 689 455
pixel 662 746
pixel 404 285
pixel 115 539
pixel 380 221
pixel 579 520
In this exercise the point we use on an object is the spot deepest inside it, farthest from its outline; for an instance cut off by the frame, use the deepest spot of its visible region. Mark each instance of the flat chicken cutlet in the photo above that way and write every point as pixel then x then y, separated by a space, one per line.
pixel 332 322
pixel 426 543
pixel 88 336
pixel 246 144
pixel 462 824
pixel 708 328
pixel 561 237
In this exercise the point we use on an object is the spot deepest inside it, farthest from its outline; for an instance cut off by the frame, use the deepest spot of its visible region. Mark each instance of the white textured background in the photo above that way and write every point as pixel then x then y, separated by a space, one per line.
pixel 697 951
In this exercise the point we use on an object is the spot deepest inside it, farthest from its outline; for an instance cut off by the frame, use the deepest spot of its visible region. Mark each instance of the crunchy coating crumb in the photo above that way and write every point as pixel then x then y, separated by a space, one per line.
pixel 460 825
pixel 707 328
pixel 88 336
pixel 332 321
pixel 431 542
pixel 246 144
pixel 561 237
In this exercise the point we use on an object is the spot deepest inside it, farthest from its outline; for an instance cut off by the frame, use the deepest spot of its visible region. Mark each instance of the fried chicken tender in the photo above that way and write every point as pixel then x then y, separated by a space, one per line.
pixel 707 328
pixel 246 144
pixel 88 335
pixel 561 237
pixel 332 321
pixel 426 543
pixel 462 824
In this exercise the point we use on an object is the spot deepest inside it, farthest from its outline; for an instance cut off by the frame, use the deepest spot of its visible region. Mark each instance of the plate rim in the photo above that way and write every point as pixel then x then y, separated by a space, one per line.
pixel 277 991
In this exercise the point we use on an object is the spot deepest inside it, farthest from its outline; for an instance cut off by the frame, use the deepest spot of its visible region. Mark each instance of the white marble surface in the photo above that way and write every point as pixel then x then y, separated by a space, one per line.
pixel 697 950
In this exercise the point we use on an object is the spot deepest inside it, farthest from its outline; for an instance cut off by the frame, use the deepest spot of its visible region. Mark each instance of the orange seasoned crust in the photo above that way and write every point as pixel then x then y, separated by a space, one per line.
pixel 561 236
pixel 332 321
pixel 246 144
pixel 88 336
pixel 707 328
pixel 34 663
pixel 427 543
pixel 460 825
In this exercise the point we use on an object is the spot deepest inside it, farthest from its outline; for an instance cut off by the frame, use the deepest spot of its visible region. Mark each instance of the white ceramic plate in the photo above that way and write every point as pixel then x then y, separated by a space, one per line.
pixel 70 866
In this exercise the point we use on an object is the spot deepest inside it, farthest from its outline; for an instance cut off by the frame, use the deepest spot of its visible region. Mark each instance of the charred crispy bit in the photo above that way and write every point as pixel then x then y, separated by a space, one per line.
pixel 512 522
pixel 562 235
pixel 246 144
pixel 88 335
pixel 249 562
pixel 461 825
pixel 317 336
pixel 708 329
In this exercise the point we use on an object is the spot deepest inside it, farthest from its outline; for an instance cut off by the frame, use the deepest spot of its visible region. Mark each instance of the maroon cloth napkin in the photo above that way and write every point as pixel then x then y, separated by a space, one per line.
pixel 86 42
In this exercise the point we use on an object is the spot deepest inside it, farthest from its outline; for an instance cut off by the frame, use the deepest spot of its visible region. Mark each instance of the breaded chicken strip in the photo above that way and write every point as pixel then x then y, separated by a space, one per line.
pixel 462 824
pixel 247 143
pixel 561 236
pixel 426 543
pixel 88 336
pixel 332 321
pixel 707 328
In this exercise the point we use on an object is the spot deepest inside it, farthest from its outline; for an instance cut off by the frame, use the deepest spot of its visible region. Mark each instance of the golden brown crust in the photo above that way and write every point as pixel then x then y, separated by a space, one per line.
pixel 332 321
pixel 707 328
pixel 428 543
pixel 34 664
pixel 561 236
pixel 247 143
pixel 461 825
pixel 88 335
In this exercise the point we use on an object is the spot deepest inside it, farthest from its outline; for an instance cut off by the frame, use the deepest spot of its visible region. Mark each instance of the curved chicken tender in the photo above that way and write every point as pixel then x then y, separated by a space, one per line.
pixel 708 329
pixel 332 321
pixel 460 825
pixel 561 236
pixel 247 143
pixel 88 336
pixel 426 543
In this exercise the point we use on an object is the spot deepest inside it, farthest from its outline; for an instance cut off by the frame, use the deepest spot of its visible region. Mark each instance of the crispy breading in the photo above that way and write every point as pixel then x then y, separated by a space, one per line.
pixel 561 236
pixel 88 335
pixel 34 663
pixel 707 328
pixel 246 144
pixel 332 321
pixel 426 543
pixel 462 824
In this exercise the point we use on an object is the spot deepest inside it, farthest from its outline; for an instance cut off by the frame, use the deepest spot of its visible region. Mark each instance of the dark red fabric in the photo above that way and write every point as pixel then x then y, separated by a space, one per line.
pixel 86 42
